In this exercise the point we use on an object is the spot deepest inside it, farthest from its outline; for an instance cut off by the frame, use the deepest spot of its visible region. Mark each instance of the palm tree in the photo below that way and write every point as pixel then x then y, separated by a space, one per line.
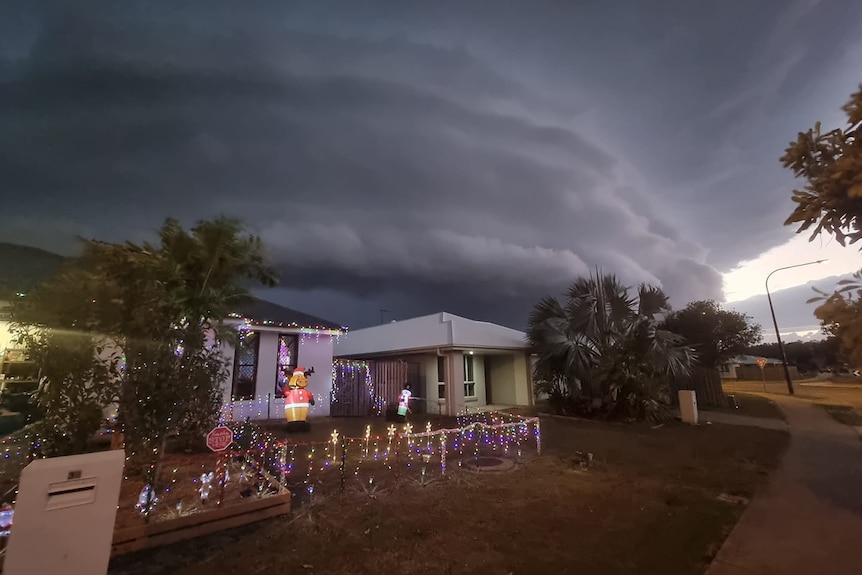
pixel 605 346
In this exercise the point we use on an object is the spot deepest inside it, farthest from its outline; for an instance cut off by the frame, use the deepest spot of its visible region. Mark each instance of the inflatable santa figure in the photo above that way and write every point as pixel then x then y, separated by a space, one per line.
pixel 297 398
pixel 404 400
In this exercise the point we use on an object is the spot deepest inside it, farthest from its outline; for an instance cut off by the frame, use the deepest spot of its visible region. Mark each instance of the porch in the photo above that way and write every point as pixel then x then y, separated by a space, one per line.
pixel 453 365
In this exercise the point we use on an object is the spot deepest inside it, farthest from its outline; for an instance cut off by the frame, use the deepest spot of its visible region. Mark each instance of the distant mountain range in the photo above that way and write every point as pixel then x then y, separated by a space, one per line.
pixel 24 267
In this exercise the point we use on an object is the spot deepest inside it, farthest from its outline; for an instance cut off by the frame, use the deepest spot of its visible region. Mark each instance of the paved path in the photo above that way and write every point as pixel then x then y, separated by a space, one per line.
pixel 734 419
pixel 808 520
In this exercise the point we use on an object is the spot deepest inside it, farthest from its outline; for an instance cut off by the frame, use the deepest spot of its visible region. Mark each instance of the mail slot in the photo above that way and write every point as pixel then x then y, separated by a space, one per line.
pixel 71 493
pixel 53 496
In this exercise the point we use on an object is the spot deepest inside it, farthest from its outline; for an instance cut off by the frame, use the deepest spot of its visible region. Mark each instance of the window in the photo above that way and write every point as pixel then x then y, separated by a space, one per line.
pixel 441 377
pixel 286 360
pixel 469 378
pixel 245 365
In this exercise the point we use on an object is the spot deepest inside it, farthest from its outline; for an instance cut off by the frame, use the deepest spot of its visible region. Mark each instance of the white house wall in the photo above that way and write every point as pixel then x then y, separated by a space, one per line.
pixel 6 337
pixel 523 378
pixel 502 380
pixel 480 400
pixel 436 405
pixel 313 351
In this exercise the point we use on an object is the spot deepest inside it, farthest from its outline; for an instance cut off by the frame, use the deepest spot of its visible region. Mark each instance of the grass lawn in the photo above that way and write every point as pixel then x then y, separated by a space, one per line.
pixel 844 414
pixel 752 406
pixel 647 504
pixel 843 401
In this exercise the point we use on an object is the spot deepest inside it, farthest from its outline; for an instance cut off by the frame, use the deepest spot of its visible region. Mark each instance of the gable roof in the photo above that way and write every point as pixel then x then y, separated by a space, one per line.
pixel 264 313
pixel 752 360
pixel 427 332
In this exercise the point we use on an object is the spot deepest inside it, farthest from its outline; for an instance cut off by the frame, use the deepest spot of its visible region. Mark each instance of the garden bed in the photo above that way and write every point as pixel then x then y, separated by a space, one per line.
pixel 650 501
pixel 269 471
pixel 212 520
pixel 180 492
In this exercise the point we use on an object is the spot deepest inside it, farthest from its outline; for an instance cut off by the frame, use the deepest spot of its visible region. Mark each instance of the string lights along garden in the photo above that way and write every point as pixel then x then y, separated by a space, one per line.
pixel 260 464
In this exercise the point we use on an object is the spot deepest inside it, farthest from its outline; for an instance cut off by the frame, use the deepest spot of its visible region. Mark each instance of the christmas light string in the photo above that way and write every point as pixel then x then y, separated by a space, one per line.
pixel 273 460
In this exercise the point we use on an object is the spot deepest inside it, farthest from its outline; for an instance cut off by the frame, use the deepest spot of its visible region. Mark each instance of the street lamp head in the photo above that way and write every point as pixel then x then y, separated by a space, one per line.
pixel 821 261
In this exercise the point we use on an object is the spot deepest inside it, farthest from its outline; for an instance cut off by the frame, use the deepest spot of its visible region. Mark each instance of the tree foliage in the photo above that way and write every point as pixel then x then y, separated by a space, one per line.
pixel 77 363
pixel 831 165
pixel 163 306
pixel 840 314
pixel 603 346
pixel 716 334
pixel 808 356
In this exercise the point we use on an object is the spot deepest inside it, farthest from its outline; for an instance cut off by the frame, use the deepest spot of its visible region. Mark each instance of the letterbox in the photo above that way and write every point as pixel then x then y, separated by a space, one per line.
pixel 64 515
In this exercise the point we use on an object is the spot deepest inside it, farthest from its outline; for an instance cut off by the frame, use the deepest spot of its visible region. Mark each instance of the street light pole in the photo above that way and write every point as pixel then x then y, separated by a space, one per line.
pixel 775 322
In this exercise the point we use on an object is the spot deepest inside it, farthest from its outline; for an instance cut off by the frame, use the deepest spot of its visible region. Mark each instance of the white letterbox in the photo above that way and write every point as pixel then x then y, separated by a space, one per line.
pixel 688 406
pixel 64 515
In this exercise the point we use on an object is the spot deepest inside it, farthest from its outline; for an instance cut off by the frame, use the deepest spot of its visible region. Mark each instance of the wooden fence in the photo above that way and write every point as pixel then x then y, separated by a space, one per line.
pixel 770 372
pixel 706 384
pixel 361 388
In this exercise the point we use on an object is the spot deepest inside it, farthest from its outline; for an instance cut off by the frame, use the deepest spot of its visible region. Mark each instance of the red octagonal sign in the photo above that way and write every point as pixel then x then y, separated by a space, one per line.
pixel 219 438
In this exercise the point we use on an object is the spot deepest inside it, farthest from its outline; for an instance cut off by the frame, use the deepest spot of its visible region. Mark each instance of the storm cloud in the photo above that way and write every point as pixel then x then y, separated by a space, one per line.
pixel 464 156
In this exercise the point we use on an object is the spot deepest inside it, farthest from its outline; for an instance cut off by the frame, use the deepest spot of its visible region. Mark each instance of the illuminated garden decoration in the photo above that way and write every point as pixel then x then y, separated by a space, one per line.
pixel 297 399
pixel 404 400
pixel 259 464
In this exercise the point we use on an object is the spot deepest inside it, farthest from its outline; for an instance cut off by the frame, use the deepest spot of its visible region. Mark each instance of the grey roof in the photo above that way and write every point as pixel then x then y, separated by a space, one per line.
pixel 752 360
pixel 265 313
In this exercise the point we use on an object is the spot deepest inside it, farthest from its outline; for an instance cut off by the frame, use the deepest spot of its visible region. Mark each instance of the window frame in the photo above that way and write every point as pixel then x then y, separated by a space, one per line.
pixel 469 382
pixel 441 377
pixel 282 377
pixel 236 368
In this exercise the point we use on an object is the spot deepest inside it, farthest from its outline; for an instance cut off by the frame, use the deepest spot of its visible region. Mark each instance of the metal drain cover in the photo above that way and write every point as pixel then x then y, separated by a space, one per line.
pixel 487 463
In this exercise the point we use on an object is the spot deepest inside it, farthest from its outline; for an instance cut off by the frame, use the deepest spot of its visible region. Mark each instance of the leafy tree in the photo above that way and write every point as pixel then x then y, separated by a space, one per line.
pixel 78 365
pixel 716 334
pixel 605 347
pixel 840 314
pixel 831 165
pixel 164 307
pixel 808 356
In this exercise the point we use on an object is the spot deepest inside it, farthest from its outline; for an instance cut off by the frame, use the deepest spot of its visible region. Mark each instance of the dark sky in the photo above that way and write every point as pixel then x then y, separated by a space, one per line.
pixel 423 156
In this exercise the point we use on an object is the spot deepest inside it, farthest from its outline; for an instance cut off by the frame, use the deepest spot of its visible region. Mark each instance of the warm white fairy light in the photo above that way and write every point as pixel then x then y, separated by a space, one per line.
pixel 334 436
pixel 367 439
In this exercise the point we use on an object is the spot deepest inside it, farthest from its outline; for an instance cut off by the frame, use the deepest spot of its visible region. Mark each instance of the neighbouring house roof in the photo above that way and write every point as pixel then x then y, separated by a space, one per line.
pixel 264 313
pixel 439 330
pixel 752 360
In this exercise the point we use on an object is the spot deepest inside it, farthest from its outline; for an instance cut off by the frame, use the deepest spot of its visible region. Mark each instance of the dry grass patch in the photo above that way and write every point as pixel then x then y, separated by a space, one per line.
pixel 648 503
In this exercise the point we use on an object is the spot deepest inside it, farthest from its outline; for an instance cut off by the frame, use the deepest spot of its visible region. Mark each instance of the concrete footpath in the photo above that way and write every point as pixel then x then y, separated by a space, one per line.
pixel 809 518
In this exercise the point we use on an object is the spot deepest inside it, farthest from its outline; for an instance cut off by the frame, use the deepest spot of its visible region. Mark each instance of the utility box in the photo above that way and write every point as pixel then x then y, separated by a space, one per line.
pixel 688 406
pixel 64 515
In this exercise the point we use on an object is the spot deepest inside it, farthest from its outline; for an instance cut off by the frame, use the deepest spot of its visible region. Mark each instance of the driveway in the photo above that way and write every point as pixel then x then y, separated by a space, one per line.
pixel 809 518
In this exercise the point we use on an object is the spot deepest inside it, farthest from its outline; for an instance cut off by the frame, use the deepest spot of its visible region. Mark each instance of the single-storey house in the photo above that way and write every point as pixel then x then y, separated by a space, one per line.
pixel 272 341
pixel 452 363
pixel 746 367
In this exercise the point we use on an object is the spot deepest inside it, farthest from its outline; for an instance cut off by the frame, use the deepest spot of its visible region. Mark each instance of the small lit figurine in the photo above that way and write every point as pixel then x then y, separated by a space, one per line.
pixel 147 499
pixel 297 399
pixel 404 400
pixel 6 515
pixel 206 486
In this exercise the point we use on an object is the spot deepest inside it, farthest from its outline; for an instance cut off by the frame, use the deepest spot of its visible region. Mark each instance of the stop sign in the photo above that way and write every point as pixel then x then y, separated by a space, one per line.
pixel 219 438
